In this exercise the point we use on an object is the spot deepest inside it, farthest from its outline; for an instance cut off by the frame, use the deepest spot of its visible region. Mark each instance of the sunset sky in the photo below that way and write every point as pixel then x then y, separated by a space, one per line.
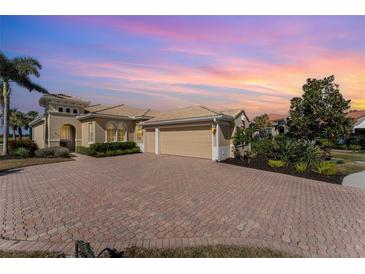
pixel 162 62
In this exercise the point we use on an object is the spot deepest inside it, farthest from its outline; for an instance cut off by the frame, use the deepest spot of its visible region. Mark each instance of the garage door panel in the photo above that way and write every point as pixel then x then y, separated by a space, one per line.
pixel 150 141
pixel 194 142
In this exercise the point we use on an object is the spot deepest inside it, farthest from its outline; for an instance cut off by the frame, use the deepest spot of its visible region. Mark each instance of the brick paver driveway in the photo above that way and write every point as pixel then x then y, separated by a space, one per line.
pixel 157 201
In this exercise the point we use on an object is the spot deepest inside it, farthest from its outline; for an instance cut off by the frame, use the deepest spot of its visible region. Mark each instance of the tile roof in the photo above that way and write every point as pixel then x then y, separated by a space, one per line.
pixel 276 117
pixel 123 110
pixel 356 114
pixel 96 107
pixel 196 111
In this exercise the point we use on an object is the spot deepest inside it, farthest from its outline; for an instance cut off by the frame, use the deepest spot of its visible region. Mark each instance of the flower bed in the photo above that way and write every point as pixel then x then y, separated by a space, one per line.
pixel 261 162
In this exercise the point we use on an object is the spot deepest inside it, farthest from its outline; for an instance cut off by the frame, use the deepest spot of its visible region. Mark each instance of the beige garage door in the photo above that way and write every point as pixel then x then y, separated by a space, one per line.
pixel 193 141
pixel 150 141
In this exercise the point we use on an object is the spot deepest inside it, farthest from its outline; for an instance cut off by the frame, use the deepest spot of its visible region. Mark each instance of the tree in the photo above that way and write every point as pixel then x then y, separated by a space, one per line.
pixel 15 121
pixel 27 118
pixel 17 70
pixel 320 113
pixel 297 122
pixel 262 121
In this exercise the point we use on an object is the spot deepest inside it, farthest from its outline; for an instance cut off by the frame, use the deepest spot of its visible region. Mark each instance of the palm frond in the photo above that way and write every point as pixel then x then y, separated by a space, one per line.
pixel 25 82
pixel 27 66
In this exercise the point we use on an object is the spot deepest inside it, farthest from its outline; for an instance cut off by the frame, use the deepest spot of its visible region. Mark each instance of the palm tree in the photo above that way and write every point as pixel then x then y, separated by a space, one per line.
pixel 16 70
pixel 15 121
pixel 28 117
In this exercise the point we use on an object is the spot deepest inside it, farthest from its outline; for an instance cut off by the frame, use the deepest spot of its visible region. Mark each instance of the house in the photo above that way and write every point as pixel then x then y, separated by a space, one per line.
pixel 358 117
pixel 71 122
pixel 196 131
pixel 277 126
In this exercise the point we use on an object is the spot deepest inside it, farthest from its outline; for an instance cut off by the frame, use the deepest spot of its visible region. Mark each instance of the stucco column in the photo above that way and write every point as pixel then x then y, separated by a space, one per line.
pixel 157 140
pixel 217 133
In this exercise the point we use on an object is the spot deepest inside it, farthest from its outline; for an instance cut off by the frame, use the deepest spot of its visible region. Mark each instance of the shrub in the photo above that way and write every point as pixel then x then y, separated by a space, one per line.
pixel 276 163
pixel 84 150
pixel 340 161
pixel 118 152
pixel 21 152
pixel 262 146
pixel 103 147
pixel 355 147
pixel 311 154
pixel 301 167
pixel 295 151
pixel 25 143
pixel 326 168
pixel 51 152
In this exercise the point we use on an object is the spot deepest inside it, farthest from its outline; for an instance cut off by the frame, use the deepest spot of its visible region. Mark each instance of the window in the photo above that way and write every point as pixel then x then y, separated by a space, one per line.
pixel 139 133
pixel 110 135
pixel 74 111
pixel 91 132
pixel 120 135
pixel 68 110
pixel 60 109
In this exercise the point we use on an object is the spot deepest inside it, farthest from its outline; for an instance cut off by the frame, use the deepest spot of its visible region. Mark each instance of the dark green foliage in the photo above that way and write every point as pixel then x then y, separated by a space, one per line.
pixel 261 122
pixel 21 152
pixel 110 149
pixel 118 152
pixel 104 147
pixel 52 152
pixel 320 113
pixel 243 137
pixel 25 143
pixel 355 147
pixel 84 150
pixel 262 146
pixel 294 151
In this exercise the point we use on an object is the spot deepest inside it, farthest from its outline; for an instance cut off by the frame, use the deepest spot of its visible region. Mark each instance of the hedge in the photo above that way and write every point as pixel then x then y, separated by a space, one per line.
pixel 104 147
pixel 25 143
pixel 52 152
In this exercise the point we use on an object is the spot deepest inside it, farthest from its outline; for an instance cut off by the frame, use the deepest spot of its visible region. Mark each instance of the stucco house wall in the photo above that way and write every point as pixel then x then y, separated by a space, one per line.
pixel 38 134
pixel 56 121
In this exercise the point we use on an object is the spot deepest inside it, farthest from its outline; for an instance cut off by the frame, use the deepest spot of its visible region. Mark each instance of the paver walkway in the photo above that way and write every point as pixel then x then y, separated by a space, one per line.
pixel 356 180
pixel 168 201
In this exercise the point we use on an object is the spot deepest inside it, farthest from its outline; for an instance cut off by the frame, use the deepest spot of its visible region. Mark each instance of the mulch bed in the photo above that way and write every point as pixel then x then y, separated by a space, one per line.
pixel 261 163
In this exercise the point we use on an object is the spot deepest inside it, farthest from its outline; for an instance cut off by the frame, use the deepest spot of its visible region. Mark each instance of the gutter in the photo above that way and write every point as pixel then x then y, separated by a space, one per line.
pixel 36 121
pixel 215 118
pixel 98 115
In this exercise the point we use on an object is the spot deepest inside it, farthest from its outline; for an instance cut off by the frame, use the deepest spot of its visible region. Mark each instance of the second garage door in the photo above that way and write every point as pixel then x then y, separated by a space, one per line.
pixel 192 141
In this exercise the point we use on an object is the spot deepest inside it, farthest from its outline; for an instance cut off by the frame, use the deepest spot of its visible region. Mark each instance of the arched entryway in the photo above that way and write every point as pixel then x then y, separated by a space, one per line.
pixel 67 136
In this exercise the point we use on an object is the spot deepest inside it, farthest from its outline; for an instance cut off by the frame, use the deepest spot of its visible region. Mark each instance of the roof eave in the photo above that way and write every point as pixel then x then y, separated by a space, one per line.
pixel 187 120
pixel 99 115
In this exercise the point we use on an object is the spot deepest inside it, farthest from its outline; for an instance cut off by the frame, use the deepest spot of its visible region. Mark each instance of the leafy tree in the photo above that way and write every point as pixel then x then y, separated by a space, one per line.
pixel 261 121
pixel 320 113
pixel 16 70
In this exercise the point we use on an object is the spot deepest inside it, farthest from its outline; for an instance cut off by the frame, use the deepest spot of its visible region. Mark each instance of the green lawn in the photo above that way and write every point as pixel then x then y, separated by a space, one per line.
pixel 215 251
pixel 7 164
pixel 32 254
pixel 349 157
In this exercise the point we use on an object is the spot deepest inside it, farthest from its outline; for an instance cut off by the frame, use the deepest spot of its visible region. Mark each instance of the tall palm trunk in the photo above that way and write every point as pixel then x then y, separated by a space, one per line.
pixel 14 133
pixel 20 132
pixel 5 117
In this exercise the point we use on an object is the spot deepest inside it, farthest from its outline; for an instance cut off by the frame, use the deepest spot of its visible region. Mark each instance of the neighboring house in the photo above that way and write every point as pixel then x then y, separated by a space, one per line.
pixel 72 122
pixel 195 131
pixel 358 117
pixel 278 124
